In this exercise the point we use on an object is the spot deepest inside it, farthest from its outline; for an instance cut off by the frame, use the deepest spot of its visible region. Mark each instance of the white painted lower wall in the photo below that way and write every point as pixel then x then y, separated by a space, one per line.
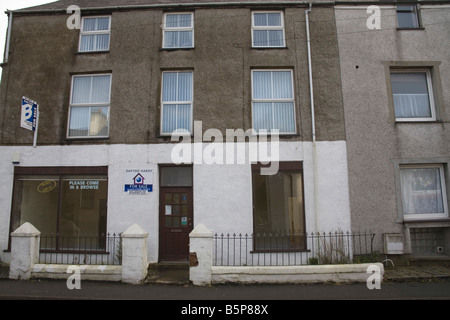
pixel 222 192
pixel 344 273
pixel 87 272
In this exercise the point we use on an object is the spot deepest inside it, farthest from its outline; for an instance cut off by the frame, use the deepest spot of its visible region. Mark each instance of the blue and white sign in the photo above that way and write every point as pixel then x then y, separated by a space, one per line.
pixel 138 181
pixel 28 119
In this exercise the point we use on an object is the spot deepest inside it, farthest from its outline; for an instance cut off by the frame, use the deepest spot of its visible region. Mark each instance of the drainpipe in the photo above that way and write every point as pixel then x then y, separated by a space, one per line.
pixel 313 121
pixel 8 39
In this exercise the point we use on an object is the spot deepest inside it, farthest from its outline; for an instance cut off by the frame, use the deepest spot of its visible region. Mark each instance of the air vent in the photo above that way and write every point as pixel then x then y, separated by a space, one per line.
pixel 393 243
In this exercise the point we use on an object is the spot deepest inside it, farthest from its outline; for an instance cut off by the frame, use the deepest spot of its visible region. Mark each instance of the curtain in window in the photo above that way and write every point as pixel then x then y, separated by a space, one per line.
pixel 410 93
pixel 87 120
pixel 177 101
pixel 268 38
pixel 268 30
pixel 178 20
pixel 79 121
pixel 421 190
pixel 95 89
pixel 178 38
pixel 274 113
pixel 98 41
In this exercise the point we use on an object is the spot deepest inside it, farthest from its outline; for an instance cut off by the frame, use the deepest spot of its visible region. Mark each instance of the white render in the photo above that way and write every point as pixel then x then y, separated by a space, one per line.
pixel 87 272
pixel 339 273
pixel 200 243
pixel 134 251
pixel 222 192
pixel 24 251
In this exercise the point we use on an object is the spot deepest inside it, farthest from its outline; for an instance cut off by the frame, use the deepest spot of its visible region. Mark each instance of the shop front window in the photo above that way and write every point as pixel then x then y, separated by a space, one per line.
pixel 64 207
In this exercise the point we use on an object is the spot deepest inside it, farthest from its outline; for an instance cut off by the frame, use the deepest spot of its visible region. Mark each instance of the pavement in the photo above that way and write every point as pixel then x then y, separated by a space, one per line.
pixel 170 289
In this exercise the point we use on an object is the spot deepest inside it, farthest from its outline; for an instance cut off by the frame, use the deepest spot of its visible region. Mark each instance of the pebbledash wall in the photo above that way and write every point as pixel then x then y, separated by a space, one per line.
pixel 376 142
pixel 222 192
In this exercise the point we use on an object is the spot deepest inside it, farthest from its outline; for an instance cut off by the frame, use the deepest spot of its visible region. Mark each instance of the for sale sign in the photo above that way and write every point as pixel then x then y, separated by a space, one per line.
pixel 28 119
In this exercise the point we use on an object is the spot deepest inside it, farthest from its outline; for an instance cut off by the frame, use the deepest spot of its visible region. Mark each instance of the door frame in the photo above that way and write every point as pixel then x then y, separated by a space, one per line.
pixel 161 222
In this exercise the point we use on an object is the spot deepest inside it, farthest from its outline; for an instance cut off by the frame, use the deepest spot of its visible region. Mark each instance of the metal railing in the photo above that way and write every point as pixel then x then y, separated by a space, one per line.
pixel 284 249
pixel 80 250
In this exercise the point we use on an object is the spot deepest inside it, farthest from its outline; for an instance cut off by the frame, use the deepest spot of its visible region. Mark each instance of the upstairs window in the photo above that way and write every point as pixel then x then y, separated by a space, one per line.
pixel 178 30
pixel 407 17
pixel 273 106
pixel 413 95
pixel 89 106
pixel 177 100
pixel 267 29
pixel 95 34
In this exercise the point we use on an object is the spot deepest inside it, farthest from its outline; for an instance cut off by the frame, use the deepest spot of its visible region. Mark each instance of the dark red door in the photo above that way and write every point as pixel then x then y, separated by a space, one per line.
pixel 175 220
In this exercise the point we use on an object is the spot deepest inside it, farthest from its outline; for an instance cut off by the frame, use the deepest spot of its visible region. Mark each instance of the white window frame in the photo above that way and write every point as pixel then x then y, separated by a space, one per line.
pixel 191 102
pixel 165 28
pixel 430 95
pixel 89 105
pixel 100 32
pixel 426 216
pixel 269 130
pixel 254 28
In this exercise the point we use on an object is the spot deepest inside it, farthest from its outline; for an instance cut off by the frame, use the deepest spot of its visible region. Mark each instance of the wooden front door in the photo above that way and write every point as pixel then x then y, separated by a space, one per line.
pixel 176 221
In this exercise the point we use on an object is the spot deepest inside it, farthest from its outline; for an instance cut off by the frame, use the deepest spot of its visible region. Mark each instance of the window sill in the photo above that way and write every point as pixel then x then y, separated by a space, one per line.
pixel 90 52
pixel 176 49
pixel 280 135
pixel 418 121
pixel 426 221
pixel 410 29
pixel 269 48
pixel 87 139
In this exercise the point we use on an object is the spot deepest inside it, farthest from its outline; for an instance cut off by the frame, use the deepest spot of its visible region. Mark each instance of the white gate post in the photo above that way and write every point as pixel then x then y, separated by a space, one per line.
pixel 24 251
pixel 200 247
pixel 134 254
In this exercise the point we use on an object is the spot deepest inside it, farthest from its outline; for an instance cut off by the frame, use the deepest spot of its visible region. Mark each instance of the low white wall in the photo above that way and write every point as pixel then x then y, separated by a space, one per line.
pixel 295 274
pixel 87 272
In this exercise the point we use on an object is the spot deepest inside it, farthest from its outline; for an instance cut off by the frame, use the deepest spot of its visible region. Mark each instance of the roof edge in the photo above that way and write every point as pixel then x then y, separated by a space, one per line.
pixel 174 5
pixel 231 4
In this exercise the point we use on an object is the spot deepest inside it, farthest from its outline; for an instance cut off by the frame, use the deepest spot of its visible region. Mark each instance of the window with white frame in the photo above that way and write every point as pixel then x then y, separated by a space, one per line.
pixel 423 191
pixel 95 34
pixel 178 30
pixel 89 106
pixel 268 29
pixel 413 95
pixel 407 17
pixel 273 106
pixel 176 102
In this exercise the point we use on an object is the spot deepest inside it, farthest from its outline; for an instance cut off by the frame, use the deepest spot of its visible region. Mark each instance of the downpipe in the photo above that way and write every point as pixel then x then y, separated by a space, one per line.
pixel 313 121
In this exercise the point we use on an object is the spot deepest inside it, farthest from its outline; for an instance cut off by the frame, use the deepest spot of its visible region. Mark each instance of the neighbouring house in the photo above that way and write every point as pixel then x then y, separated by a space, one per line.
pixel 395 85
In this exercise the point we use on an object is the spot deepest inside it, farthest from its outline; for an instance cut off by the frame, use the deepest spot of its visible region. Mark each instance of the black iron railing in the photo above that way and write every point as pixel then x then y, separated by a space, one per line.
pixel 281 248
pixel 80 250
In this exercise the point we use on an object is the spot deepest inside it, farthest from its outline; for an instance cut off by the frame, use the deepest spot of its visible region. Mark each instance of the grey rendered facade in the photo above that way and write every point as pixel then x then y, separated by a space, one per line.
pixel 380 144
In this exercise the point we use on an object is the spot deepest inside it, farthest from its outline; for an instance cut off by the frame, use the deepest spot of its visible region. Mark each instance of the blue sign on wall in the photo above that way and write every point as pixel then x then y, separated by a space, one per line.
pixel 29 114
pixel 138 181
